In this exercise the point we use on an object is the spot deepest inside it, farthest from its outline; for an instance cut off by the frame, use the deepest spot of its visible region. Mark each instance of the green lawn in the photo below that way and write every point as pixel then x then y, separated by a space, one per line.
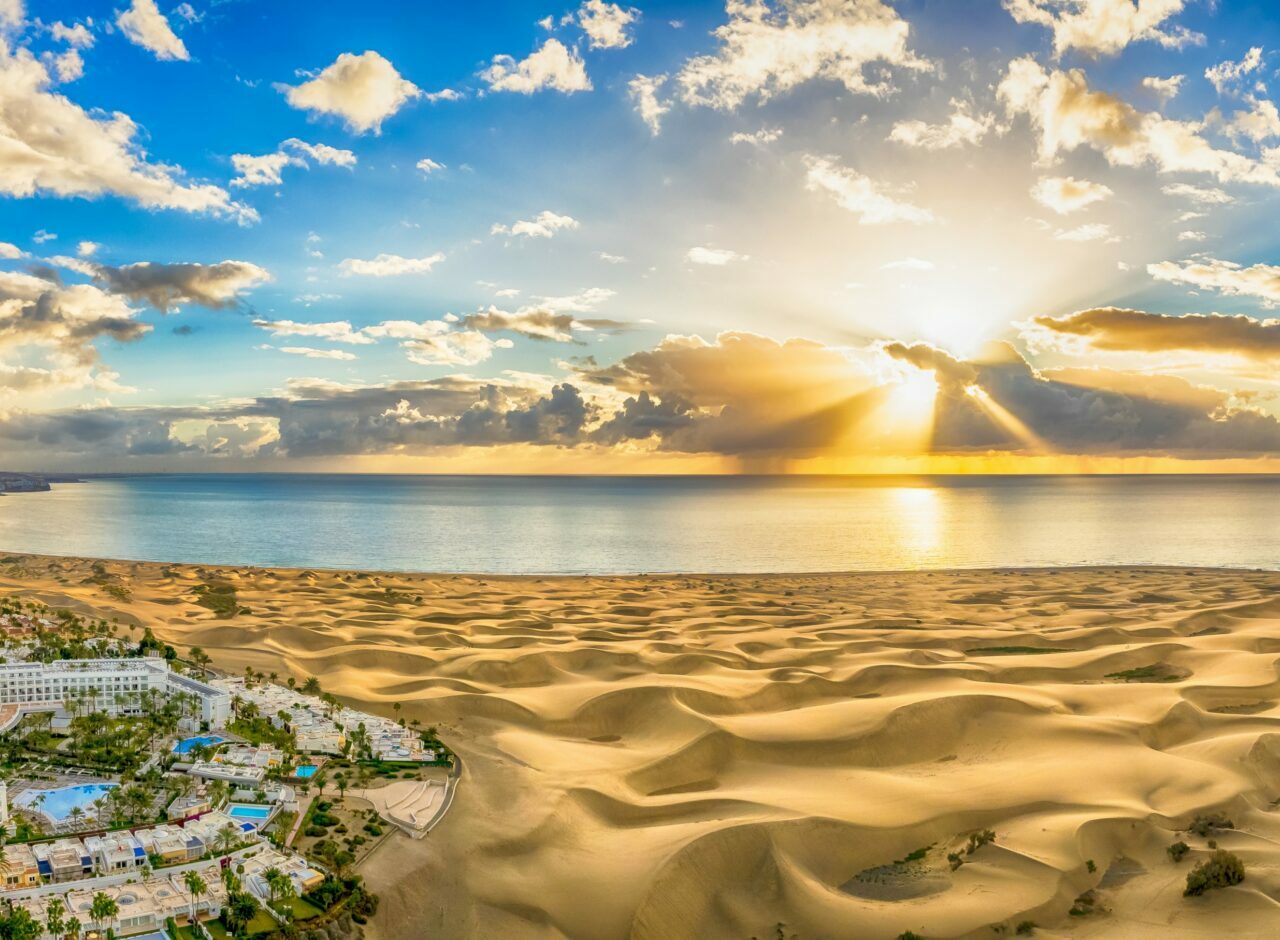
pixel 303 909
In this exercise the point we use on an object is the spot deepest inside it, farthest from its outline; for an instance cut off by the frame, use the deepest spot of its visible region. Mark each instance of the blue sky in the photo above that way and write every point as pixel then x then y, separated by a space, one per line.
pixel 872 197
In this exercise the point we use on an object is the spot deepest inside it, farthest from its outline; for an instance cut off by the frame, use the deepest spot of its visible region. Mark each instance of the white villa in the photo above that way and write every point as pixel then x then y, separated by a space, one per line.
pixel 31 687
pixel 319 729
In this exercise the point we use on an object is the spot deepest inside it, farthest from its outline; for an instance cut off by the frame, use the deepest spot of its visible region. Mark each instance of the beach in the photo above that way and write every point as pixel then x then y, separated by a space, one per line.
pixel 711 756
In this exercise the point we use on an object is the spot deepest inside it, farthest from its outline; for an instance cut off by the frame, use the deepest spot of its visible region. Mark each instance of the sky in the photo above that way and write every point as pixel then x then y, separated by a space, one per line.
pixel 833 236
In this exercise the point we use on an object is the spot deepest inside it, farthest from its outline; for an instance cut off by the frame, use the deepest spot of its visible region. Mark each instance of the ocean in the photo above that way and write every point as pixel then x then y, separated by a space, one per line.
pixel 572 525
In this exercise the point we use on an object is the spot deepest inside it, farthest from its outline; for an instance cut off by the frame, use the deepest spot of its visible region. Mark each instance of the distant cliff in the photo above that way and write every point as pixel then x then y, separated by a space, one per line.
pixel 22 483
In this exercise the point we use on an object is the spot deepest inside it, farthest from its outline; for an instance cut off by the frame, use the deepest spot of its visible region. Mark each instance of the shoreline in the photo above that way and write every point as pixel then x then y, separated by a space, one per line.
pixel 637 575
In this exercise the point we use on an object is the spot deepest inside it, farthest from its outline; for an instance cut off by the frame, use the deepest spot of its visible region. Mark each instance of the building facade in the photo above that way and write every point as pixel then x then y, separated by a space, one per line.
pixel 115 686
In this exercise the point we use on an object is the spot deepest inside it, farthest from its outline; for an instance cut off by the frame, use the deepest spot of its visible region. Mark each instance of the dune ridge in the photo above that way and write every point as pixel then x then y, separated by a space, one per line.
pixel 708 756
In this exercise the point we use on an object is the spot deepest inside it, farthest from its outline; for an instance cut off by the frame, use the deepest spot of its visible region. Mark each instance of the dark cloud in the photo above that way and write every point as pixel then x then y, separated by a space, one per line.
pixel 166 286
pixel 742 395
pixel 1119 329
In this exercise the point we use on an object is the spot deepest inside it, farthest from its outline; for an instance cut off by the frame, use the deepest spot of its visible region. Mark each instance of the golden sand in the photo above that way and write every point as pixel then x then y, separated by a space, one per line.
pixel 704 757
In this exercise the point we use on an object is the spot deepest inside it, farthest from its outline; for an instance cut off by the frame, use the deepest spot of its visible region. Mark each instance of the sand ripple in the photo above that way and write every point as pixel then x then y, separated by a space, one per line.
pixel 705 757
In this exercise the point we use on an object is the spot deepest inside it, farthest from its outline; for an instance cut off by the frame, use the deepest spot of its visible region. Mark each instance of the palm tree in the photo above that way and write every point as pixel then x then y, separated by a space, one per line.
pixel 227 838
pixel 103 909
pixel 55 916
pixel 20 925
pixel 278 885
pixel 195 884
pixel 72 926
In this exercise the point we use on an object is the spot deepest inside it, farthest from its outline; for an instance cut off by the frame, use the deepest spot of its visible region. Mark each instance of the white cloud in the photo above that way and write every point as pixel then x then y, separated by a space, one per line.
pixel 1166 89
pixel 79 265
pixel 644 92
pixel 1067 115
pixel 444 94
pixel 336 331
pixel 364 90
pixel 166 286
pixel 9 251
pixel 1104 27
pixel 1065 194
pixel 43 236
pixel 11 13
pixel 1094 232
pixel 385 265
pixel 608 258
pixel 429 166
pixel 766 51
pixel 1226 277
pixel 68 65
pixel 962 127
pixel 553 66
pixel 50 145
pixel 545 225
pixel 1192 236
pixel 1225 76
pixel 144 25
pixel 312 353
pixel 716 257
pixel 606 24
pixel 435 343
pixel 267 169
pixel 860 194
pixel 908 264
pixel 766 135
pixel 1205 195
pixel 1260 122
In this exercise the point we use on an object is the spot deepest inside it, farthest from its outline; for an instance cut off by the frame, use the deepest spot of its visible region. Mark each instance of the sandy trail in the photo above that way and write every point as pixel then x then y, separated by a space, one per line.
pixel 679 756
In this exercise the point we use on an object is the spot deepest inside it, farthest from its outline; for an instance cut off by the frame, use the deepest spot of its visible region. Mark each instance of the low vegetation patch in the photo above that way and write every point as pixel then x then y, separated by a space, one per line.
pixel 1221 870
pixel 1156 672
pixel 219 597
pixel 1014 651
pixel 1210 822
pixel 1178 851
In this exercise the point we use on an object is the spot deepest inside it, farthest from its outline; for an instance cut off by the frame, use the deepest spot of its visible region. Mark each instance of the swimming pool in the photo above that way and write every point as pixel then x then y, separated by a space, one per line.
pixel 205 740
pixel 59 802
pixel 249 812
pixel 305 771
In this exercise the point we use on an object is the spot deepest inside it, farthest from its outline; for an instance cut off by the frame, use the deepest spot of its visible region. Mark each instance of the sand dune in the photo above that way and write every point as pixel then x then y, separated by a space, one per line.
pixel 679 756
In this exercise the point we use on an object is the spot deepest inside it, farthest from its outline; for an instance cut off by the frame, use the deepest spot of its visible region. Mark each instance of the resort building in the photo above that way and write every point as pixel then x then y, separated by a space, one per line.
pixel 169 843
pixel 116 852
pixel 143 905
pixel 304 877
pixel 110 685
pixel 321 729
pixel 190 805
pixel 18 867
pixel 249 777
pixel 247 755
pixel 63 860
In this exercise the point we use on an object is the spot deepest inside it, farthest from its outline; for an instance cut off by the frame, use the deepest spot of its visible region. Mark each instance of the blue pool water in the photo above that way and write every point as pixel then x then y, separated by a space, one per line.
pixel 208 740
pixel 249 812
pixel 57 804
pixel 305 771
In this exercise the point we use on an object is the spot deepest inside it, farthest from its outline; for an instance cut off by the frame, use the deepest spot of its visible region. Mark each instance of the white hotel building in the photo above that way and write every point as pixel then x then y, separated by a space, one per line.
pixel 48 686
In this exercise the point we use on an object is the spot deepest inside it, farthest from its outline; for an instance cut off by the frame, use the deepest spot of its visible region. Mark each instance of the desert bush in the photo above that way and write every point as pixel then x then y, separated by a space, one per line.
pixel 978 839
pixel 1178 850
pixel 956 860
pixel 1090 866
pixel 1203 825
pixel 1026 928
pixel 1221 870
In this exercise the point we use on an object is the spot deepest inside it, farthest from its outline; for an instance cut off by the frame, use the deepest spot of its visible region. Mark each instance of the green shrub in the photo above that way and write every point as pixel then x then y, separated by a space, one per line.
pixel 956 860
pixel 1203 825
pixel 1221 870
pixel 315 832
pixel 1178 850
pixel 1090 866
pixel 978 839
pixel 909 935
pixel 1026 928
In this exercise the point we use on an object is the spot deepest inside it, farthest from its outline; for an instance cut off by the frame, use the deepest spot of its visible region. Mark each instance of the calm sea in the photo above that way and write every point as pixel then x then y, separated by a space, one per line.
pixel 652 524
